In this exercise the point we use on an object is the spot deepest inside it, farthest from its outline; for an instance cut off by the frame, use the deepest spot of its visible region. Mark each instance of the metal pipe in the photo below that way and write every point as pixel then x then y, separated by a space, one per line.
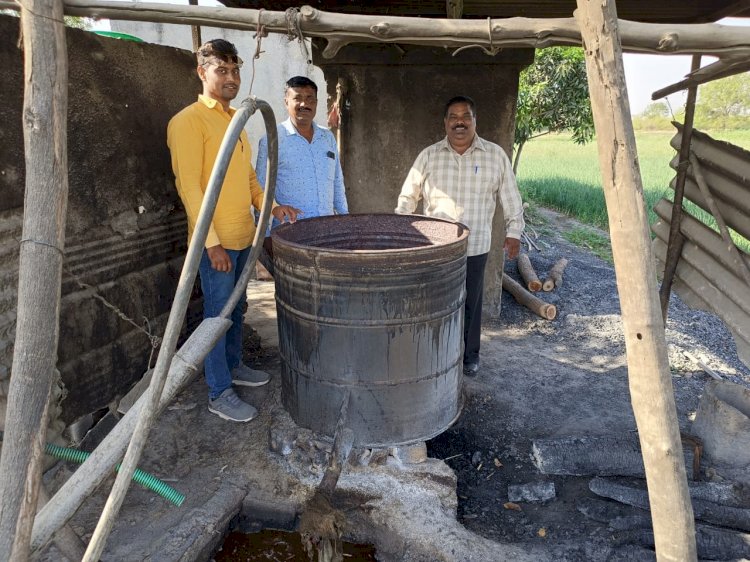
pixel 260 232
pixel 174 326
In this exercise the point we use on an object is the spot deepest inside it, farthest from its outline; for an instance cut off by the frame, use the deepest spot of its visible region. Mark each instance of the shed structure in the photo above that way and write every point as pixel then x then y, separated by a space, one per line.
pixel 495 84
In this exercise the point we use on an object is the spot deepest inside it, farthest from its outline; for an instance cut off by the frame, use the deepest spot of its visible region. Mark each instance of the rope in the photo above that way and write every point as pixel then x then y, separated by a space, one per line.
pixel 260 33
pixel 155 340
pixel 492 51
pixel 40 243
pixel 294 31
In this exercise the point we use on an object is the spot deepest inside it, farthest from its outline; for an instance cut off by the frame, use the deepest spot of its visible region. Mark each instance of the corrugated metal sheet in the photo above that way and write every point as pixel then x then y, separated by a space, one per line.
pixel 707 275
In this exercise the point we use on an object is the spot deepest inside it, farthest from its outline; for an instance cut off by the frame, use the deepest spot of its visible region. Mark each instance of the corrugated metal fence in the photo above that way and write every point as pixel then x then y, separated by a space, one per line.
pixel 709 274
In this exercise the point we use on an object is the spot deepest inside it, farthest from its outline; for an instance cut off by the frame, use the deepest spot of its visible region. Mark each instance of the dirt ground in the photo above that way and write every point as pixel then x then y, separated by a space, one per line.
pixel 538 378
pixel 566 377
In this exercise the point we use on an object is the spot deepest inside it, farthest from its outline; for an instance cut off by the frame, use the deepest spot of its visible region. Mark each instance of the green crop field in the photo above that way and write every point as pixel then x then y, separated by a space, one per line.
pixel 556 173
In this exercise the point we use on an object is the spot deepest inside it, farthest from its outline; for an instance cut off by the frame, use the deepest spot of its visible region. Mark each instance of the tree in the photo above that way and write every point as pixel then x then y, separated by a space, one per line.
pixel 553 96
pixel 725 103
pixel 656 116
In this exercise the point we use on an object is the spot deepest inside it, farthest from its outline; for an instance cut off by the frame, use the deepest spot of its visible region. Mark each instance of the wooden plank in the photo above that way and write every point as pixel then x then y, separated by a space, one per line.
pixel 649 376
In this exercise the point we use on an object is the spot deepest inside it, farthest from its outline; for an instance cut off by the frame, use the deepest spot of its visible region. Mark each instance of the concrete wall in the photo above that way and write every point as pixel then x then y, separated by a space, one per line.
pixel 394 102
pixel 281 59
pixel 126 231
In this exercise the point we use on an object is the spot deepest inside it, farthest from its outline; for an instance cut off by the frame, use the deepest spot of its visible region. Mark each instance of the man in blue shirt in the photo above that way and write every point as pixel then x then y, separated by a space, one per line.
pixel 309 175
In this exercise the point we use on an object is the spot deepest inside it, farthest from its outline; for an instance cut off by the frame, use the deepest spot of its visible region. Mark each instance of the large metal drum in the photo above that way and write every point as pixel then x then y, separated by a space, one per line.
pixel 372 304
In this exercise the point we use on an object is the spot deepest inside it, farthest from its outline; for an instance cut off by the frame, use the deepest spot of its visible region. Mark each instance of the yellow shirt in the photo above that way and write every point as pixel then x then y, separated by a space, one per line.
pixel 194 136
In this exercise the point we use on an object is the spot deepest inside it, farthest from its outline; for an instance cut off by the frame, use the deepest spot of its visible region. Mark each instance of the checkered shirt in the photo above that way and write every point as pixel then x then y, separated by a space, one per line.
pixel 465 188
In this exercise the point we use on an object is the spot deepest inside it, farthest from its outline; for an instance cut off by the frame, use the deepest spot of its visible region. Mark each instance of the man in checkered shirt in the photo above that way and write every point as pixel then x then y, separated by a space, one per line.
pixel 462 178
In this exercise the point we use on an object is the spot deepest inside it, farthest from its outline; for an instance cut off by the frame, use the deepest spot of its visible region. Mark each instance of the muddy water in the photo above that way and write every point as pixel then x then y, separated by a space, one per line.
pixel 278 546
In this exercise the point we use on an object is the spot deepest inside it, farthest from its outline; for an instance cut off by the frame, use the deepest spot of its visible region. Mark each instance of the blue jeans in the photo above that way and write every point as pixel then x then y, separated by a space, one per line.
pixel 217 287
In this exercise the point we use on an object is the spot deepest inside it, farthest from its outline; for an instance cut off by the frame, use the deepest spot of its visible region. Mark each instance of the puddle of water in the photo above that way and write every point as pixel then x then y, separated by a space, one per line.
pixel 279 546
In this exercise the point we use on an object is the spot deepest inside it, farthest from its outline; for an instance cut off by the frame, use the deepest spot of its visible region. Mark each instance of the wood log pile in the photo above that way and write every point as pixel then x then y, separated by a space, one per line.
pixel 532 284
pixel 721 509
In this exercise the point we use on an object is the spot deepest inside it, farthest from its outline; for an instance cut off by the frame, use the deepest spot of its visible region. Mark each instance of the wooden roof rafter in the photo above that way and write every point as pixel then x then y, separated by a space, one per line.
pixel 725 42
pixel 724 67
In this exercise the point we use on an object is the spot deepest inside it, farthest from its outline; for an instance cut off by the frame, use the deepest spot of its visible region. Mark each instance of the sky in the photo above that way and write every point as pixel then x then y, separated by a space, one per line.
pixel 644 74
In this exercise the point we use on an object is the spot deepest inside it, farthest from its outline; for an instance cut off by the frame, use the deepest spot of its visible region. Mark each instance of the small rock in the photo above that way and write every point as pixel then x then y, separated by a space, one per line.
pixel 279 441
pixel 512 506
pixel 476 458
pixel 531 492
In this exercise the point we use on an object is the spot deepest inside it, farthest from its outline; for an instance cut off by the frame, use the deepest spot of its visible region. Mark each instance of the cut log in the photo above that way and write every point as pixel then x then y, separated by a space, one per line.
pixel 605 455
pixel 555 275
pixel 522 296
pixel 528 274
pixel 617 516
pixel 733 517
pixel 712 543
pixel 732 494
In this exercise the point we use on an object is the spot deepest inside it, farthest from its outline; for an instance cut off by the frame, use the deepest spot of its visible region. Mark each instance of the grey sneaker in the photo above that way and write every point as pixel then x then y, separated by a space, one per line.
pixel 243 375
pixel 229 406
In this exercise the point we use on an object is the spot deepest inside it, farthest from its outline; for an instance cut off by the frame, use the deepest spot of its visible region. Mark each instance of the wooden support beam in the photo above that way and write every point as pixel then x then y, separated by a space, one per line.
pixel 728 66
pixel 342 29
pixel 195 30
pixel 649 377
pixel 45 113
pixel 676 240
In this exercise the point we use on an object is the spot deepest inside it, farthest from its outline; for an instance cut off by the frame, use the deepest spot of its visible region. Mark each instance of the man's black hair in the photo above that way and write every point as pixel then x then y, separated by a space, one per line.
pixel 219 48
pixel 460 99
pixel 301 82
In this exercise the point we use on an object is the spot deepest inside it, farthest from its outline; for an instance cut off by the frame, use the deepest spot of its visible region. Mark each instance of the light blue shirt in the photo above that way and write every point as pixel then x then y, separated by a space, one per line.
pixel 309 176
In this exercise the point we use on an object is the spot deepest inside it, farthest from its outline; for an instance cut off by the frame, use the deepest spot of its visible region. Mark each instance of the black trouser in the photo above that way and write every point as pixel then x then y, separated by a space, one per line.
pixel 473 308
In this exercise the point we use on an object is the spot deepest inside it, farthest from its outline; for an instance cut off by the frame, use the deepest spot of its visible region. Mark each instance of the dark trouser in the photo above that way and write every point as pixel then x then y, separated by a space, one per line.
pixel 473 308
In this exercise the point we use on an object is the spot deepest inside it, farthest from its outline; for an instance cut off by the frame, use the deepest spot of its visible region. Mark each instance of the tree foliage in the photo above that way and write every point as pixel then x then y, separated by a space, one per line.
pixel 655 117
pixel 553 96
pixel 724 104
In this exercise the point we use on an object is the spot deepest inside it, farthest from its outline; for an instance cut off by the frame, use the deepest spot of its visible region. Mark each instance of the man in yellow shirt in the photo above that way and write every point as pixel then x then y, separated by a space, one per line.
pixel 194 136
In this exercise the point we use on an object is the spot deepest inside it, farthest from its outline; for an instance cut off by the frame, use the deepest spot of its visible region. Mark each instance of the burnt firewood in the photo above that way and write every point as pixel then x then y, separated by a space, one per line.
pixel 603 455
pixel 733 517
pixel 712 543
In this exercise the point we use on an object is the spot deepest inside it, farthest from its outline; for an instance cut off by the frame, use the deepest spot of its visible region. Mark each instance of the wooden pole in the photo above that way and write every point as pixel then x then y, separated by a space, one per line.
pixel 648 366
pixel 195 30
pixel 676 239
pixel 45 112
